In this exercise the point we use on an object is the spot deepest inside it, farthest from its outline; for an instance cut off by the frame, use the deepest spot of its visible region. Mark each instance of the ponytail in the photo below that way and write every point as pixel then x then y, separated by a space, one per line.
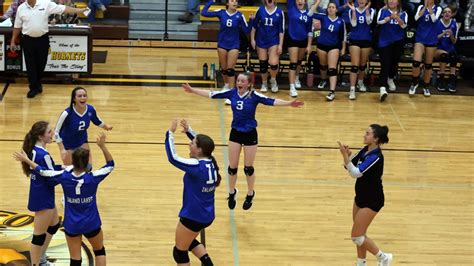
pixel 38 129
pixel 219 178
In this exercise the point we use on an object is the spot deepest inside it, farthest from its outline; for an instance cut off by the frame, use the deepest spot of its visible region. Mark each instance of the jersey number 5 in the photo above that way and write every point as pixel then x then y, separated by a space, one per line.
pixel 82 125
pixel 211 180
pixel 78 186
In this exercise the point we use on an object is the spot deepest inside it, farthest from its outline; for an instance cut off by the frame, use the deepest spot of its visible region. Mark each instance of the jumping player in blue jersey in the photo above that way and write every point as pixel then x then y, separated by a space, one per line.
pixel 267 37
pixel 426 41
pixel 72 125
pixel 367 168
pixel 232 22
pixel 447 32
pixel 200 181
pixel 81 216
pixel 360 43
pixel 300 37
pixel 392 21
pixel 244 135
pixel 41 196
pixel 331 44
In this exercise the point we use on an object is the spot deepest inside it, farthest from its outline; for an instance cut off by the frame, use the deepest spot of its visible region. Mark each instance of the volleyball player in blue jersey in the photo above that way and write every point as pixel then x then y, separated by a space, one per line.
pixel 200 181
pixel 81 216
pixel 72 125
pixel 447 32
pixel 41 196
pixel 300 37
pixel 331 44
pixel 360 43
pixel 244 134
pixel 367 168
pixel 392 21
pixel 228 41
pixel 267 37
pixel 426 41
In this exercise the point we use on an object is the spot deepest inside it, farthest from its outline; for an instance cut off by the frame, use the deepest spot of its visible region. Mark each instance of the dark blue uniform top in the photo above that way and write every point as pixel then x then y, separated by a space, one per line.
pixel 369 186
pixel 391 31
pixel 445 42
pixel 268 27
pixel 361 30
pixel 426 29
pixel 333 31
pixel 300 24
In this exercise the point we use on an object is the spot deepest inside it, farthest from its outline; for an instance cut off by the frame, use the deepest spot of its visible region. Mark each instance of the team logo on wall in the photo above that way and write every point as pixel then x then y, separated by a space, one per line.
pixel 16 231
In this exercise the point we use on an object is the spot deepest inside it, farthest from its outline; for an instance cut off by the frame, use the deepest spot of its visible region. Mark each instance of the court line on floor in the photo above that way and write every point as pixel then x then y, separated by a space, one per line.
pixel 5 89
pixel 397 117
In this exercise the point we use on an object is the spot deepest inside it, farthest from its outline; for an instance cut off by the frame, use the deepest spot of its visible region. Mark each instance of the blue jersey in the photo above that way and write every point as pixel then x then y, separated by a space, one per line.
pixel 391 31
pixel 426 29
pixel 199 184
pixel 333 31
pixel 41 193
pixel 300 25
pixel 72 126
pixel 80 213
pixel 243 107
pixel 230 26
pixel 370 164
pixel 361 30
pixel 268 27
pixel 445 42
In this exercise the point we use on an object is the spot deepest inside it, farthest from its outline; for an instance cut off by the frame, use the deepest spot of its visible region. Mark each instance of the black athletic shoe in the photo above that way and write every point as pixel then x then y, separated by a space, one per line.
pixel 231 199
pixel 248 201
pixel 32 94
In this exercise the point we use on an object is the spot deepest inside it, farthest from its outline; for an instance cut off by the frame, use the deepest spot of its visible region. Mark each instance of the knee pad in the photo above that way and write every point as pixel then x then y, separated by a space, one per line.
pixel 180 256
pixel 273 67
pixel 325 67
pixel 453 60
pixel 249 170
pixel 206 260
pixel 230 72
pixel 358 240
pixel 416 63
pixel 362 68
pixel 232 171
pixel 293 66
pixel 194 244
pixel 75 262
pixel 444 58
pixel 224 72
pixel 263 66
pixel 354 69
pixel 332 72
pixel 428 66
pixel 100 252
pixel 38 240
pixel 53 229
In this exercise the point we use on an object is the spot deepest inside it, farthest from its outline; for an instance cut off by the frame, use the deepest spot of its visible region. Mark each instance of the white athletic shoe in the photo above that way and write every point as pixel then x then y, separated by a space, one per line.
pixel 264 88
pixel 391 85
pixel 362 87
pixel 331 95
pixel 426 92
pixel 412 89
pixel 386 261
pixel 322 84
pixel 274 85
pixel 383 94
pixel 228 102
pixel 293 92
pixel 297 83
pixel 352 94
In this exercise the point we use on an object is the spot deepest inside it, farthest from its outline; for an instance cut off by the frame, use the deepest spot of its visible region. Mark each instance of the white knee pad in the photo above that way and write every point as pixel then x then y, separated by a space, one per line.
pixel 358 240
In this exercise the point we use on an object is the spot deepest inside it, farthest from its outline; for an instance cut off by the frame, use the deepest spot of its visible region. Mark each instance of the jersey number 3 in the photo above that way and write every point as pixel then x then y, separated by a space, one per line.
pixel 240 105
pixel 211 180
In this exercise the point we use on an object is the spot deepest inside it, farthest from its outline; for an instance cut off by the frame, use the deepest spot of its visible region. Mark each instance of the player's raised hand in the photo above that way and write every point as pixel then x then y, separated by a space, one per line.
pixel 187 88
pixel 174 125
pixel 101 139
pixel 184 123
pixel 297 103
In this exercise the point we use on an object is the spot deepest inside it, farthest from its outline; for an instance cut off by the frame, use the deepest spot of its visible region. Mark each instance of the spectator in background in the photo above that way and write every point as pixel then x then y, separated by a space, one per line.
pixel 64 18
pixel 97 4
pixel 192 10
pixel 11 11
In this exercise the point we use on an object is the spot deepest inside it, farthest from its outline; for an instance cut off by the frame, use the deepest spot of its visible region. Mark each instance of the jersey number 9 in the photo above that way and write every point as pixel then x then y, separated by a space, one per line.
pixel 211 180
pixel 361 19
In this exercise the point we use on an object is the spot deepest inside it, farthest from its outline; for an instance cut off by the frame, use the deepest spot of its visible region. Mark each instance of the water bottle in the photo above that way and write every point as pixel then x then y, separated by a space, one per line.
pixel 204 71
pixel 213 71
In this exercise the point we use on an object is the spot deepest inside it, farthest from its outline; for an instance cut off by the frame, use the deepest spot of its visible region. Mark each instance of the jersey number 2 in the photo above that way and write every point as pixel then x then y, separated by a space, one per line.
pixel 211 180
pixel 82 125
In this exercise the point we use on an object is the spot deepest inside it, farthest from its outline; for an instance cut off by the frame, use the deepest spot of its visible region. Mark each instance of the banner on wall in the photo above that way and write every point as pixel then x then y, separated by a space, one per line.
pixel 2 53
pixel 12 57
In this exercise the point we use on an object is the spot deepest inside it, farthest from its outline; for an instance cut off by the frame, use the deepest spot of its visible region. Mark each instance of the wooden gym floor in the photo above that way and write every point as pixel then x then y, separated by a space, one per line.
pixel 302 211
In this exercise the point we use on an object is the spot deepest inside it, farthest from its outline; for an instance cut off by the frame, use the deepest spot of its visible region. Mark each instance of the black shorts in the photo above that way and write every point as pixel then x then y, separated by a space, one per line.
pixel 91 234
pixel 328 48
pixel 373 204
pixel 360 43
pixel 227 49
pixel 193 225
pixel 295 43
pixel 244 138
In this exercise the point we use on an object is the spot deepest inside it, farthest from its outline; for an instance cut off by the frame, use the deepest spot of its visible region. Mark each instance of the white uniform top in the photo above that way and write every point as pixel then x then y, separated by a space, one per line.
pixel 33 21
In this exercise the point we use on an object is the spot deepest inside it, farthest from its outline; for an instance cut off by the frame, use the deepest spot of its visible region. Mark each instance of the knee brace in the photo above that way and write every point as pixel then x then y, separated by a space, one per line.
pixel 194 244
pixel 444 58
pixel 362 68
pixel 249 170
pixel 354 69
pixel 416 63
pixel 206 260
pixel 180 256
pixel 100 252
pixel 323 67
pixel 224 72
pixel 38 240
pixel 263 66
pixel 428 66
pixel 293 66
pixel 274 67
pixel 453 60
pixel 332 72
pixel 230 72
pixel 75 262
pixel 53 229
pixel 358 240
pixel 232 171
